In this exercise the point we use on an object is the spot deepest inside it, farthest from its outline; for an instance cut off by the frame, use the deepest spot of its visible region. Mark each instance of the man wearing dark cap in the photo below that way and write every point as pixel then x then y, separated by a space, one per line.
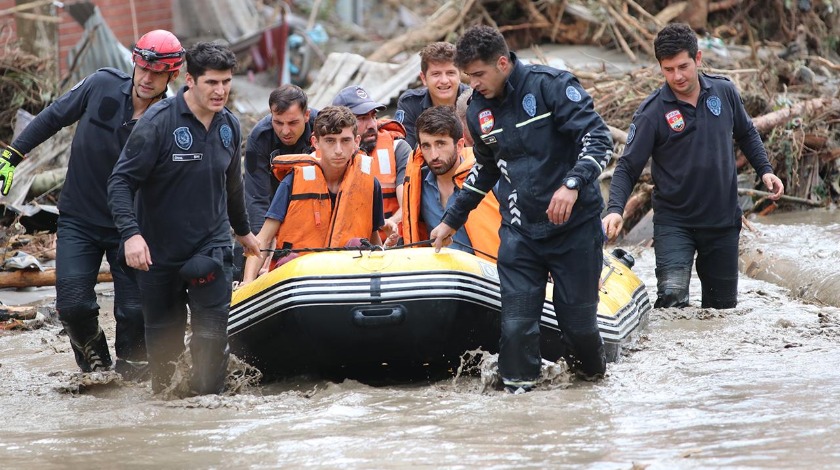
pixel 384 141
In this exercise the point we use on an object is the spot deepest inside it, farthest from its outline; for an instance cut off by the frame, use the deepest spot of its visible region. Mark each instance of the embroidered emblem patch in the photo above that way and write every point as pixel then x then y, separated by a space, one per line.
pixel 631 133
pixel 227 135
pixel 399 116
pixel 485 120
pixel 675 120
pixel 361 93
pixel 529 104
pixel 183 138
pixel 713 103
pixel 573 94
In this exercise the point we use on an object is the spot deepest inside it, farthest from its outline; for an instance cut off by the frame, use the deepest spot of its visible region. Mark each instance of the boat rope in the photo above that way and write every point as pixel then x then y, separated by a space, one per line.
pixel 431 240
pixel 365 244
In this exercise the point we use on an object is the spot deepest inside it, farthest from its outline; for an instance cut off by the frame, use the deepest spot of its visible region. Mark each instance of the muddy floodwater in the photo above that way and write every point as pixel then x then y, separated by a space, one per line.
pixel 753 387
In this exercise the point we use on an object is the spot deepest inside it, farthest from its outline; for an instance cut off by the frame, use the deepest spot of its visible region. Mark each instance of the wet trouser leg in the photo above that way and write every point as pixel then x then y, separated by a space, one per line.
pixel 674 249
pixel 717 266
pixel 575 261
pixel 522 277
pixel 209 277
pixel 164 300
pixel 130 340
pixel 78 257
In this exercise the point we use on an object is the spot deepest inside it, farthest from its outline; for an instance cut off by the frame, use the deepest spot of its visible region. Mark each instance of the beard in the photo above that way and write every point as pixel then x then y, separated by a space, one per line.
pixel 368 143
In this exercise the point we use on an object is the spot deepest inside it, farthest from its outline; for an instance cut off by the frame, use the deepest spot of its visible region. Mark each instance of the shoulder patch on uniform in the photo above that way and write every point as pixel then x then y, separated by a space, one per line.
pixel 631 133
pixel 713 103
pixel 573 94
pixel 183 138
pixel 529 104
pixel 399 116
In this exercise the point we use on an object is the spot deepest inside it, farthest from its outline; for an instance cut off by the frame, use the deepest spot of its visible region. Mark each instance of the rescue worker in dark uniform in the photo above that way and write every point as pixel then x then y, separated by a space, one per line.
pixel 436 173
pixel 384 141
pixel 182 163
pixel 688 126
pixel 322 202
pixel 286 131
pixel 441 87
pixel 106 105
pixel 537 134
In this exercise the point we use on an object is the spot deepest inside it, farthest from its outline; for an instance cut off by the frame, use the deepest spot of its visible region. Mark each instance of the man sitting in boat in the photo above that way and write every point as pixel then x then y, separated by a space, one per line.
pixel 321 202
pixel 435 173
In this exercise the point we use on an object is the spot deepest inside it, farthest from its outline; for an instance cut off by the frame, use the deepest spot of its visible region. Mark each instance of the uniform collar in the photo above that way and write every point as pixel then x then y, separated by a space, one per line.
pixel 181 102
pixel 517 75
pixel 126 87
pixel 668 95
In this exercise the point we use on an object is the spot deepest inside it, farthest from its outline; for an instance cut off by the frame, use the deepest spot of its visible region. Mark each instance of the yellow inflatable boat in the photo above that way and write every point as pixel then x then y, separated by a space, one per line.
pixel 344 311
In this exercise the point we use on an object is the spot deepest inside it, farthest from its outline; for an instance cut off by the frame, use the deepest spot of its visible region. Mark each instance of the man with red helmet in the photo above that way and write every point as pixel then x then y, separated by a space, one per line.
pixel 106 104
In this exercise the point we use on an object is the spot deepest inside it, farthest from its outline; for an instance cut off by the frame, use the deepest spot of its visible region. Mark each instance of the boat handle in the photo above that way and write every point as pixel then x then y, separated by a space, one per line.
pixel 374 317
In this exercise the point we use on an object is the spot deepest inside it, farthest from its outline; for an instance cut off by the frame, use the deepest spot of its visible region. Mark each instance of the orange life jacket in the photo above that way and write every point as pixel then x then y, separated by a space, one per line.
pixel 384 166
pixel 310 219
pixel 482 224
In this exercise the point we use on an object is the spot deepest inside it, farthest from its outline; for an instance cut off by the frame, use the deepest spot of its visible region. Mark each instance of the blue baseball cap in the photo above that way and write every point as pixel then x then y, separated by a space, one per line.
pixel 357 99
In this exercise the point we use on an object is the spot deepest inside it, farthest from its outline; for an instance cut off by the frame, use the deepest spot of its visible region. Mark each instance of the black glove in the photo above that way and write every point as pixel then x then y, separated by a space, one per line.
pixel 9 160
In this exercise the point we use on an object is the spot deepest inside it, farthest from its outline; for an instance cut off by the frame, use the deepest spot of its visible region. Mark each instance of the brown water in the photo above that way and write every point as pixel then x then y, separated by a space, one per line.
pixel 755 387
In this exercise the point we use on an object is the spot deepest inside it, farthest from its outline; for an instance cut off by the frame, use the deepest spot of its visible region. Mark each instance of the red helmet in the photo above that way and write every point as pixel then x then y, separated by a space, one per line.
pixel 159 51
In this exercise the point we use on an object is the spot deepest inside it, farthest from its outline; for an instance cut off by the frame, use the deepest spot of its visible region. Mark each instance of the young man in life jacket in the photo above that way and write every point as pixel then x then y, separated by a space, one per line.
pixel 437 171
pixel 322 202
pixel 384 141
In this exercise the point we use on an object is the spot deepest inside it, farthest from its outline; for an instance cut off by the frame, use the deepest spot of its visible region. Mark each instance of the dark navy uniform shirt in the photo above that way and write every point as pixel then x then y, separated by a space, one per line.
pixel 188 182
pixel 101 103
pixel 693 169
pixel 542 130
pixel 260 183
pixel 409 107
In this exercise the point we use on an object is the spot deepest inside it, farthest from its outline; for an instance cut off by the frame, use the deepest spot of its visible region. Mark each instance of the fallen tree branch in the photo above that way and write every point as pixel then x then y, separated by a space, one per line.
pixel 797 200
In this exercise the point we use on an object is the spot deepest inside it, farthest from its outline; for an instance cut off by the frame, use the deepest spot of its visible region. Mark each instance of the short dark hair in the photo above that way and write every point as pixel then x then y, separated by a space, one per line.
pixel 482 43
pixel 439 120
pixel 440 52
pixel 673 39
pixel 283 97
pixel 205 56
pixel 333 120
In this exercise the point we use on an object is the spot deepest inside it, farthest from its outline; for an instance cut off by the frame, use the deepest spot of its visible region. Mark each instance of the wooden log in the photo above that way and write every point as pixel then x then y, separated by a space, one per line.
pixel 35 278
pixel 769 121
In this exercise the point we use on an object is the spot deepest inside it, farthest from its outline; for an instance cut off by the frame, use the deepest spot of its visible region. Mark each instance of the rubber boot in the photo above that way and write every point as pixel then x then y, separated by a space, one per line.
pixel 672 287
pixel 89 344
pixel 586 356
pixel 210 360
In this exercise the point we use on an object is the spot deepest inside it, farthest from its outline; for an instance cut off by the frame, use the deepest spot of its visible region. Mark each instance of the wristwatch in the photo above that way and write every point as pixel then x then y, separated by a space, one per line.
pixel 572 182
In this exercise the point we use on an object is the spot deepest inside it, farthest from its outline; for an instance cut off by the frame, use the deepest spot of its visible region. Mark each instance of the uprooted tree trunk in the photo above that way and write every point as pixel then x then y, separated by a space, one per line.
pixel 442 22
